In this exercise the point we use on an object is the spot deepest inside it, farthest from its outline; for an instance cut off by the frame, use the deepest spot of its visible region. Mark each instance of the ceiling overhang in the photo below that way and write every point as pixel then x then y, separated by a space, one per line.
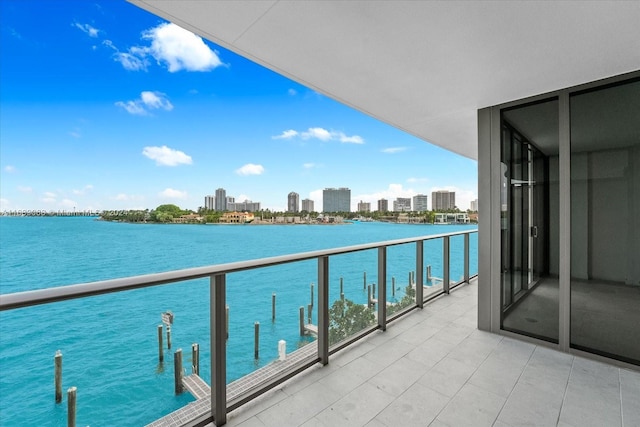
pixel 422 66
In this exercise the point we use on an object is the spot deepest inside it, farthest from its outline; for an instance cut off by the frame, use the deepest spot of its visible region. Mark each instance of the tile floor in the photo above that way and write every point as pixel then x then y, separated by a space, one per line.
pixel 435 368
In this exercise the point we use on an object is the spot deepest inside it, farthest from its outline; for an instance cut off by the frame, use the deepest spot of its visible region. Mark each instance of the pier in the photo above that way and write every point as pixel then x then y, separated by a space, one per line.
pixel 201 407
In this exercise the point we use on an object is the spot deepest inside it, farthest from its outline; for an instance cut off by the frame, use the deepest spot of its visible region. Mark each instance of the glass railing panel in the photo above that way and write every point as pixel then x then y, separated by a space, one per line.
pixel 250 300
pixel 401 277
pixel 473 254
pixel 433 267
pixel 110 352
pixel 352 286
pixel 456 259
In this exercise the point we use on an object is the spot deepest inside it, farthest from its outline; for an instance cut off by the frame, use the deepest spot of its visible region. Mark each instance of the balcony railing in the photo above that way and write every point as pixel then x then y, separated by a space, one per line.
pixel 217 275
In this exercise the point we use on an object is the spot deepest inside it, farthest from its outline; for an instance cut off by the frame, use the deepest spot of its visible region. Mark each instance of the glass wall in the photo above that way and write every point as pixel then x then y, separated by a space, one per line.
pixel 529 218
pixel 605 220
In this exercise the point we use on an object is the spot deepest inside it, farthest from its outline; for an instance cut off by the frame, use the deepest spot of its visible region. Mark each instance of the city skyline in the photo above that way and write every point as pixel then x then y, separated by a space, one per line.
pixel 121 119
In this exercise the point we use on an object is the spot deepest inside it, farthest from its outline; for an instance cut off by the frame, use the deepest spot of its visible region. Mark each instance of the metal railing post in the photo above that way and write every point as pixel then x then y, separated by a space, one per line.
pixel 323 309
pixel 382 288
pixel 419 277
pixel 217 294
pixel 466 258
pixel 445 264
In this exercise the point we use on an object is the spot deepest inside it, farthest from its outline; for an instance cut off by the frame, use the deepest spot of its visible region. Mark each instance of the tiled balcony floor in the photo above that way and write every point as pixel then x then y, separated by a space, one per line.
pixel 433 367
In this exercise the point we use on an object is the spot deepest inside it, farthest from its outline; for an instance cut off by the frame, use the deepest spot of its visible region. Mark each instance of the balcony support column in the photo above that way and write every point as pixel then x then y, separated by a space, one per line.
pixel 323 309
pixel 445 264
pixel 382 288
pixel 218 329
pixel 419 270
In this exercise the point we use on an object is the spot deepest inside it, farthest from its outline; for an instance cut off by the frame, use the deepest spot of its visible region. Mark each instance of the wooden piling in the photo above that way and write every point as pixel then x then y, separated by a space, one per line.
pixel 373 290
pixel 311 301
pixel 393 286
pixel 71 406
pixel 57 363
pixel 256 340
pixel 273 307
pixel 364 280
pixel 160 349
pixel 195 358
pixel 428 272
pixel 301 320
pixel 309 312
pixel 410 279
pixel 341 287
pixel 169 337
pixel 177 370
pixel 369 296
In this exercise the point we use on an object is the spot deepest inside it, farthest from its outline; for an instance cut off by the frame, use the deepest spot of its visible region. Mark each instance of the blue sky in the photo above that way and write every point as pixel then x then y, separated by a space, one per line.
pixel 105 106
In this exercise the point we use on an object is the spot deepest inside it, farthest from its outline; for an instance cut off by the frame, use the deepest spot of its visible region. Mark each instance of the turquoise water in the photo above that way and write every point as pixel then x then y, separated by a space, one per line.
pixel 109 342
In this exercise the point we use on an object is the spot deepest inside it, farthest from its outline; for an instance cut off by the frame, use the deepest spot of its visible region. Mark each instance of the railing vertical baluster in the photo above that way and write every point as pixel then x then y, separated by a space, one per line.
pixel 445 264
pixel 382 288
pixel 217 294
pixel 323 309
pixel 419 268
pixel 466 258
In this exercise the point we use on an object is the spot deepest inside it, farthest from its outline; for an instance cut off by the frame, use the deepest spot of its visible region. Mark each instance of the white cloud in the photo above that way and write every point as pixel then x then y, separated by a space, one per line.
pixel 180 49
pixel 318 133
pixel 242 198
pixel 75 133
pixel 292 92
pixel 170 193
pixel 133 60
pixel 84 190
pixel 393 150
pixel 86 28
pixel 48 199
pixel 250 169
pixel 50 195
pixel 9 169
pixel 67 203
pixel 5 204
pixel 148 101
pixel 287 134
pixel 123 197
pixel 309 165
pixel 321 134
pixel 165 156
pixel 25 189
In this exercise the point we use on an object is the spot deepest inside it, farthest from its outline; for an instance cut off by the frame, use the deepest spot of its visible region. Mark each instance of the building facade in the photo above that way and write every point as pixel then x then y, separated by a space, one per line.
pixel 336 200
pixel 307 205
pixel 420 203
pixel 364 206
pixel 210 202
pixel 246 206
pixel 221 200
pixel 383 205
pixel 443 200
pixel 402 204
pixel 474 205
pixel 293 202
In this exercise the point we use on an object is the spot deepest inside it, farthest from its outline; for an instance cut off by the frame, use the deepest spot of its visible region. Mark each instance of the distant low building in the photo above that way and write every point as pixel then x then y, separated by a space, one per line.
pixel 402 204
pixel 383 205
pixel 236 218
pixel 451 218
pixel 364 206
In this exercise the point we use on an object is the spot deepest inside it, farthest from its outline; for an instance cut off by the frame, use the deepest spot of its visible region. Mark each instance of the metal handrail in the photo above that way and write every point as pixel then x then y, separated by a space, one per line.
pixel 217 275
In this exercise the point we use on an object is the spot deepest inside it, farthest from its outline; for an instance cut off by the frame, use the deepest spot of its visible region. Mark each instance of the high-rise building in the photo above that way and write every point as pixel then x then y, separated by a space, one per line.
pixel 402 204
pixel 443 200
pixel 364 206
pixel 221 199
pixel 307 205
pixel 246 206
pixel 420 203
pixel 336 200
pixel 383 205
pixel 293 202
pixel 474 205
pixel 210 202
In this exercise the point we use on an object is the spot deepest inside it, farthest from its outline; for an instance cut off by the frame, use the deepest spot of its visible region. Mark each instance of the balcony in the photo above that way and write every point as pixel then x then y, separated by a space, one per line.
pixel 425 363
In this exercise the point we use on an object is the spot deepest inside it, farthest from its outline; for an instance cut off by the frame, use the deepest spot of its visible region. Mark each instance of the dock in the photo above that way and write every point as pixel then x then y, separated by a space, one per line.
pixel 311 329
pixel 202 391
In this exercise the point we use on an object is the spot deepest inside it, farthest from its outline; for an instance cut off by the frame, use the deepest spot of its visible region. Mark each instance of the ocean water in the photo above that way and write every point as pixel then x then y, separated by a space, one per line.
pixel 109 342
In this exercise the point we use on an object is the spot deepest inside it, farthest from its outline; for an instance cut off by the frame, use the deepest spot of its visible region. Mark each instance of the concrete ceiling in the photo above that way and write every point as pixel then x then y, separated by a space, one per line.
pixel 423 66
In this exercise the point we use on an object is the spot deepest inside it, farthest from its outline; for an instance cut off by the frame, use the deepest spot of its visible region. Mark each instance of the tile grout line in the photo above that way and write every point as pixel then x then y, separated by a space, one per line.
pixel 566 389
pixel 620 388
pixel 515 384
